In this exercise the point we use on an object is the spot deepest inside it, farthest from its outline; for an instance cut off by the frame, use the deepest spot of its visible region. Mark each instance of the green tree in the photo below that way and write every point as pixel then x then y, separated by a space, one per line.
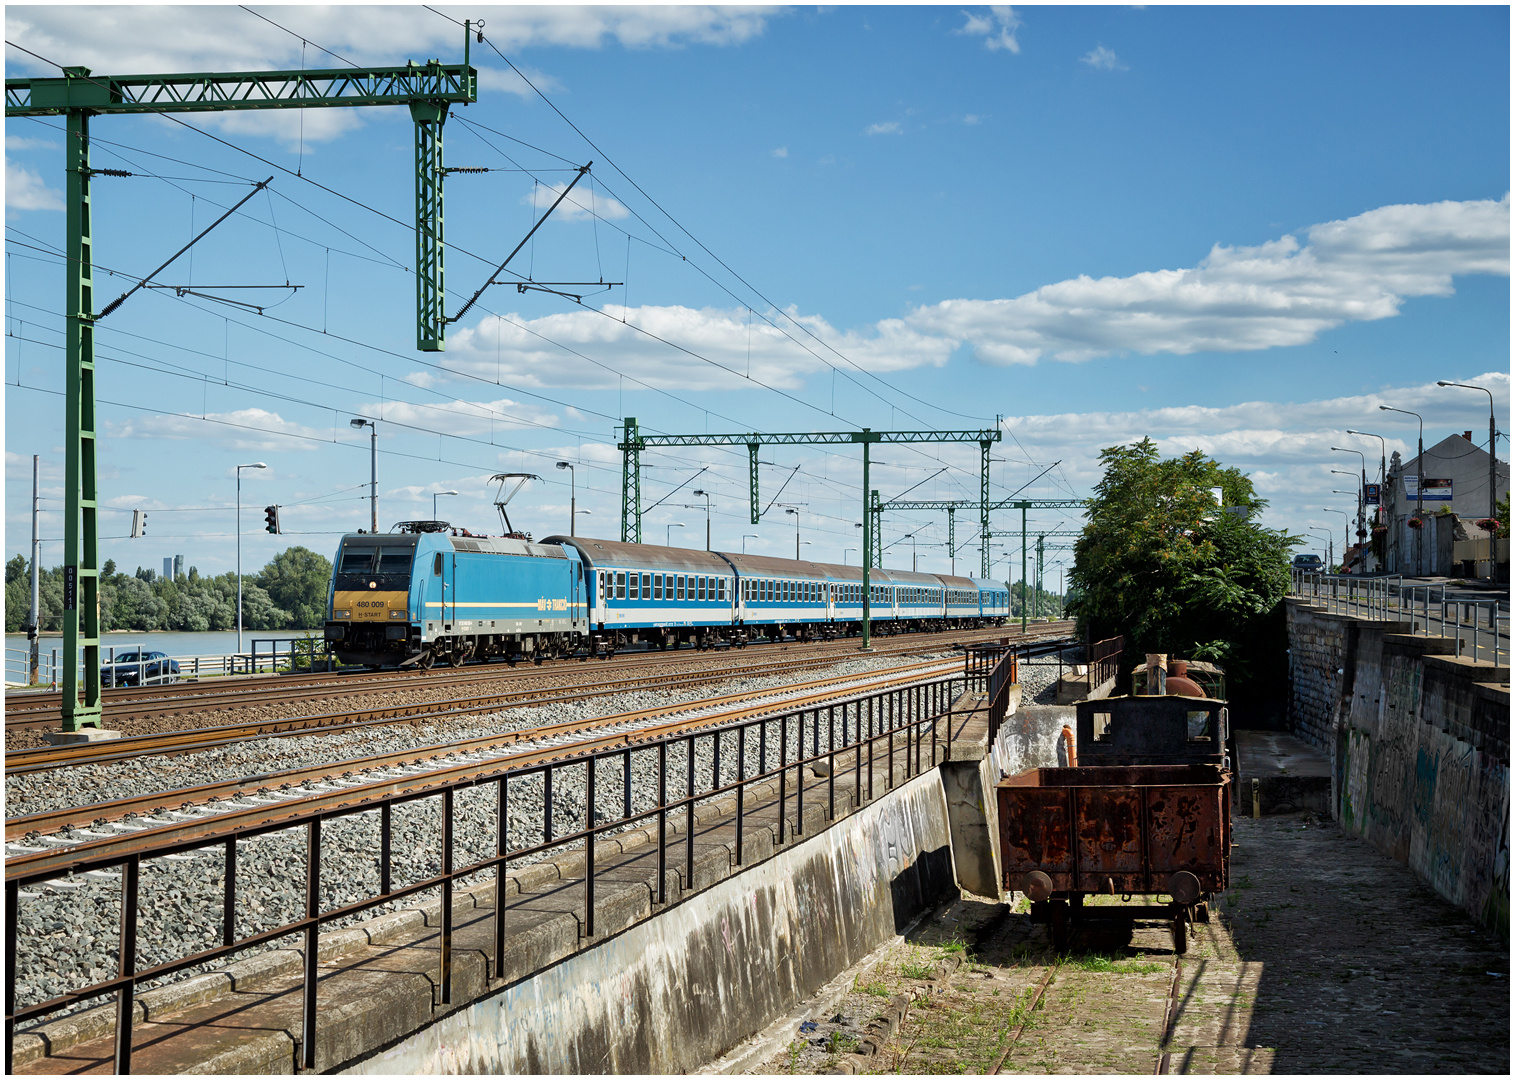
pixel 18 594
pixel 296 580
pixel 1160 564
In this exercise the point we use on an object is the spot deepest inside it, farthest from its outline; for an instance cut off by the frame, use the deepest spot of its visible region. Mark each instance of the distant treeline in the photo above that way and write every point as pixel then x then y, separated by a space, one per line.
pixel 287 594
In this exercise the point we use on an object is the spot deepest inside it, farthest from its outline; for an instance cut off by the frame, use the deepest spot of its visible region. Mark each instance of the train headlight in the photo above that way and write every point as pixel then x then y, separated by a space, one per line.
pixel 346 613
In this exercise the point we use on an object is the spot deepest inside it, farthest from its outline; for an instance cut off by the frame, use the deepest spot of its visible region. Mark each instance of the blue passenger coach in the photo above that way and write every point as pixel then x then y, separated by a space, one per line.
pixel 430 594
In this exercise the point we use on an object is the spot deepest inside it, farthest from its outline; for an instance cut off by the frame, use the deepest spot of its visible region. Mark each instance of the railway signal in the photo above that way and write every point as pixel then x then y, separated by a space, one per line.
pixel 271 517
pixel 139 523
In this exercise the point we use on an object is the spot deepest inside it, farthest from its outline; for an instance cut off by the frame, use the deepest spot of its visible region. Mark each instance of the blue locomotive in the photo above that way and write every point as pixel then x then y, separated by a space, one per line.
pixel 429 594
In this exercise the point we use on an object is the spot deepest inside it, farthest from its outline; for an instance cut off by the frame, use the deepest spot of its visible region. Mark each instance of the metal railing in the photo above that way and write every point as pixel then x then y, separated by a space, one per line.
pixel 1104 660
pixel 267 655
pixel 1480 628
pixel 877 728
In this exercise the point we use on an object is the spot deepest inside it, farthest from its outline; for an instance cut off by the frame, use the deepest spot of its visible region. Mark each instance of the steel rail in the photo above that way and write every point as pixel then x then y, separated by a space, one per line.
pixel 43 758
pixel 35 710
pixel 198 832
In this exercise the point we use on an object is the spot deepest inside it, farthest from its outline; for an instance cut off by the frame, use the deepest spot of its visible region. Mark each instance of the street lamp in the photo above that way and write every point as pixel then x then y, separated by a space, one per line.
pixel 373 470
pixel 1346 524
pixel 1361 532
pixel 1420 475
pixel 796 513
pixel 1329 542
pixel 706 494
pixel 434 495
pixel 1383 456
pixel 844 554
pixel 573 496
pixel 1493 462
pixel 668 533
pixel 1362 495
pixel 254 465
pixel 746 537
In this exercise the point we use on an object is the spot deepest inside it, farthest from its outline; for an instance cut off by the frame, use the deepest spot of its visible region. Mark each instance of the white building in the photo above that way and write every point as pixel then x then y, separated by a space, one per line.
pixel 1457 478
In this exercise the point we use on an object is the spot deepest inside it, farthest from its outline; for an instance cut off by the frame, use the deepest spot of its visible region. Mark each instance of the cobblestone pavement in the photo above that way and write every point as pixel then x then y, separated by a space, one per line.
pixel 1324 957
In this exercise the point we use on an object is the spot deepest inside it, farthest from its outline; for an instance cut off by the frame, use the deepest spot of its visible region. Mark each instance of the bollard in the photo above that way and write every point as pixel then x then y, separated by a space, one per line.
pixel 1256 798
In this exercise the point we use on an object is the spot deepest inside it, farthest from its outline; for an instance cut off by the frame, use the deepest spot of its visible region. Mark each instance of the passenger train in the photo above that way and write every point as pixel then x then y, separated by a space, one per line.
pixel 429 594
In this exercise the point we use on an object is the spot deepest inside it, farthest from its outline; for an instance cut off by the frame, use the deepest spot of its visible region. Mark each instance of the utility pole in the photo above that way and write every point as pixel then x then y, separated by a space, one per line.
pixel 34 629
pixel 80 95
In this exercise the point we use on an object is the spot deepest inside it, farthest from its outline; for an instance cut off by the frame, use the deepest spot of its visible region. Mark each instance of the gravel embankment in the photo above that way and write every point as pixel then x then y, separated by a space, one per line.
pixel 68 928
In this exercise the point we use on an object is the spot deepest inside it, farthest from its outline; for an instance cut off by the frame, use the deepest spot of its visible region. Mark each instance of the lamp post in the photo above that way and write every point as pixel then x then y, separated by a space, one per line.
pixel 254 465
pixel 576 513
pixel 706 494
pixel 796 513
pixel 373 470
pixel 1361 533
pixel 573 496
pixel 1493 464
pixel 1362 494
pixel 434 495
pixel 1420 476
pixel 844 554
pixel 1329 542
pixel 668 533
pixel 1346 524
pixel 746 537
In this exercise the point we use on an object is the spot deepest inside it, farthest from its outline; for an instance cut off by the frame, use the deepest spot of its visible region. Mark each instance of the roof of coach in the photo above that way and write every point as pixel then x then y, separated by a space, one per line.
pixel 913 577
pixel 768 566
pixel 603 553
pixel 956 582
pixel 986 583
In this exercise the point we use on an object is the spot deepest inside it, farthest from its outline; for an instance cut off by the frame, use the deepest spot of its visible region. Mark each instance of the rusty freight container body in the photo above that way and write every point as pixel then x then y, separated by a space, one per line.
pixel 1069 833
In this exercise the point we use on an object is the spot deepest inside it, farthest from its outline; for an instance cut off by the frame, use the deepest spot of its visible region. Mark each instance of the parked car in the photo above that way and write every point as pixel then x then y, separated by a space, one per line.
pixel 1310 564
pixel 131 668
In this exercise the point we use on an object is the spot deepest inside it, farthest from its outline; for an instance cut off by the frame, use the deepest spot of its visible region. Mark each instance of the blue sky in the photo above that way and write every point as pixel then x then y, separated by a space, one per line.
pixel 1236 229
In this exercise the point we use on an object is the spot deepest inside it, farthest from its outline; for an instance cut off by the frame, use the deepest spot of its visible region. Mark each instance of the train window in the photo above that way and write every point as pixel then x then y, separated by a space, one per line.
pixel 620 584
pixel 636 593
pixel 646 586
pixel 681 587
pixel 436 565
pixel 700 587
pixel 396 559
pixel 1101 727
pixel 657 586
pixel 359 560
pixel 1199 726
pixel 721 589
pixel 600 590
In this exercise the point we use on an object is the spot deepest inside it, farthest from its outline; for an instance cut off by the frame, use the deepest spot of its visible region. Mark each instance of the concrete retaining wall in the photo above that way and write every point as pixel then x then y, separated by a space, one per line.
pixel 681 988
pixel 1419 745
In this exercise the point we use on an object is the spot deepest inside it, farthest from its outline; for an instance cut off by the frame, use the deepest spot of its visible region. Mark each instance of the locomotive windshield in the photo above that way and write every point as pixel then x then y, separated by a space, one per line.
pixel 386 559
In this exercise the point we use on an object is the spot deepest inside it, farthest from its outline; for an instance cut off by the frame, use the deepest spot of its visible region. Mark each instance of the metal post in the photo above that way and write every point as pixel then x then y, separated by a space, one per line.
pixel 238 531
pixel 502 847
pixel 983 519
pixel 34 621
pixel 952 540
pixel 1023 569
pixel 431 323
pixel 589 772
pixel 867 542
pixel 631 484
pixel 446 939
pixel 81 558
pixel 127 968
pixel 373 478
pixel 312 935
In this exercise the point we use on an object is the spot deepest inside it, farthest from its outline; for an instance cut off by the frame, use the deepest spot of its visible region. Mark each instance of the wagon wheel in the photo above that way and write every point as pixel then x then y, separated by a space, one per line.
pixel 455 658
pixel 1180 933
pixel 427 659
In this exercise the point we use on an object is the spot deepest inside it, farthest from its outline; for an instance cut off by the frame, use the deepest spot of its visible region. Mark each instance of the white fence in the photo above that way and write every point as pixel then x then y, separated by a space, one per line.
pixel 266 656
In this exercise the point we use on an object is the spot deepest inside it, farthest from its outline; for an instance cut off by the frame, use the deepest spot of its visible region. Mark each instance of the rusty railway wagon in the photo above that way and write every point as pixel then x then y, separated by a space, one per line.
pixel 1145 809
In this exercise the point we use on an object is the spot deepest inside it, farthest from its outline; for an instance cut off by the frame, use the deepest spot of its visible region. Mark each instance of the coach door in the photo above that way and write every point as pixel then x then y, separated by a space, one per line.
pixel 830 601
pixel 449 591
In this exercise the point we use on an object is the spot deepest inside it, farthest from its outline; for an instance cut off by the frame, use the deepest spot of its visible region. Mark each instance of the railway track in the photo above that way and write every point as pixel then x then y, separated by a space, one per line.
pixel 29 711
pixel 205 810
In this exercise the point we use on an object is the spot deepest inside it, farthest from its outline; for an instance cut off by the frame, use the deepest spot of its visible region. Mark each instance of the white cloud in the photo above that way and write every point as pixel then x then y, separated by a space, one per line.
pixel 1284 446
pixel 222 37
pixel 26 190
pixel 22 142
pixel 1242 298
pixel 972 118
pixel 242 429
pixel 888 127
pixel 723 336
pixel 471 418
pixel 509 82
pixel 781 152
pixel 1102 59
pixel 583 202
pixel 997 27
